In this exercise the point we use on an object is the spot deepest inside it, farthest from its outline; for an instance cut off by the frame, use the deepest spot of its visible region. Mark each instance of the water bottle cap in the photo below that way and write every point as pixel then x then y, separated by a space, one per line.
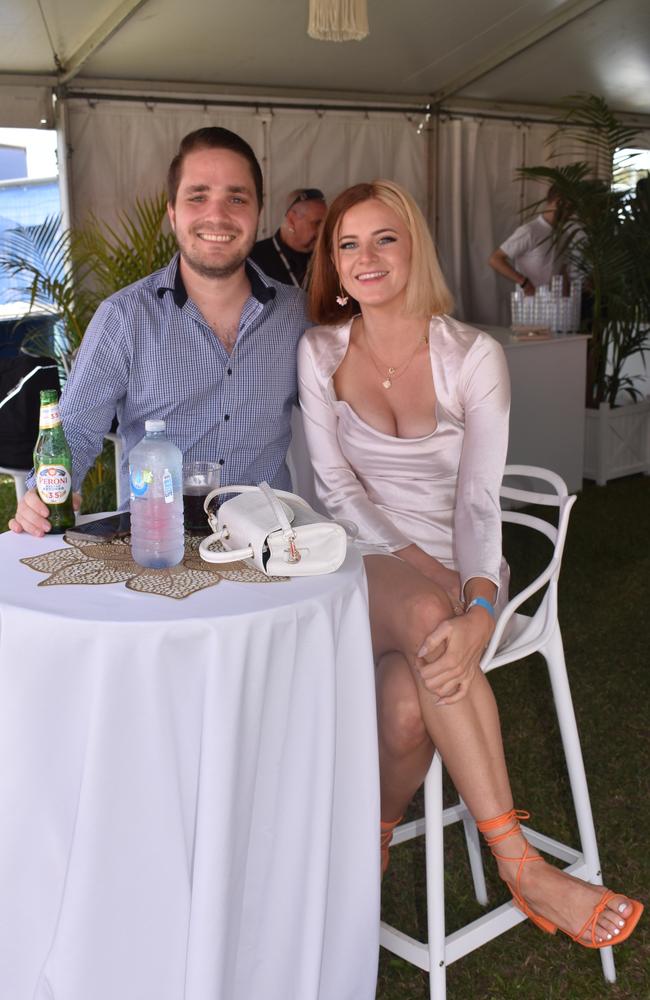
pixel 154 426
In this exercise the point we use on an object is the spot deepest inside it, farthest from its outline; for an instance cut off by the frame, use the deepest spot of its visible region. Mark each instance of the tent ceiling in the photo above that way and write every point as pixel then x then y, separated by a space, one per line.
pixel 415 48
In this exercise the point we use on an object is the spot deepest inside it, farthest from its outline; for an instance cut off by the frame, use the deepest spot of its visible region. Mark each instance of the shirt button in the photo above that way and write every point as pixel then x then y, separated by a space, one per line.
pixel 227 416
pixel 222 461
pixel 230 371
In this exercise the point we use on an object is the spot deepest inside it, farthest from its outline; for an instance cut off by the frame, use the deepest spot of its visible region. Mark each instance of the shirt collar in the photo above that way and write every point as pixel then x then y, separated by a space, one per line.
pixel 170 280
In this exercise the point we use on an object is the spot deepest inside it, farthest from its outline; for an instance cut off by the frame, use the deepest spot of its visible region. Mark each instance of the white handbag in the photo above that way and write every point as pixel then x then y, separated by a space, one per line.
pixel 278 531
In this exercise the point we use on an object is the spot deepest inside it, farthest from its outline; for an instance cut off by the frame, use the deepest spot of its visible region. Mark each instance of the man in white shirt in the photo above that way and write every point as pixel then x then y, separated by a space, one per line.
pixel 528 257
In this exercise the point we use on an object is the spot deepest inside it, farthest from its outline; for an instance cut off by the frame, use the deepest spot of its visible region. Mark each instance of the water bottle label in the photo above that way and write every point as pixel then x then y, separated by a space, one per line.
pixel 141 480
pixel 53 483
pixel 168 486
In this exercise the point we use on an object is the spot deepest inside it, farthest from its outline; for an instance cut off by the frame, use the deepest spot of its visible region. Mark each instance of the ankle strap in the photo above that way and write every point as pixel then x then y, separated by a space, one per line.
pixel 512 816
pixel 387 825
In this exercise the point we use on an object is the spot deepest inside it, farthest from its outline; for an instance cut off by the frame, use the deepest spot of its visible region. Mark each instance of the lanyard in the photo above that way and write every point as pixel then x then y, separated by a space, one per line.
pixel 286 263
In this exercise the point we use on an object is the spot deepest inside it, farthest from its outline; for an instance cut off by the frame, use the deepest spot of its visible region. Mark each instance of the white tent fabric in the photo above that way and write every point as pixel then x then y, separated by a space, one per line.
pixel 120 149
pixel 24 106
pixel 333 149
pixel 481 201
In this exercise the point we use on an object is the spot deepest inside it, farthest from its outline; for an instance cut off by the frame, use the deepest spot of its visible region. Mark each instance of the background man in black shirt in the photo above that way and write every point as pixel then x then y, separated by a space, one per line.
pixel 285 255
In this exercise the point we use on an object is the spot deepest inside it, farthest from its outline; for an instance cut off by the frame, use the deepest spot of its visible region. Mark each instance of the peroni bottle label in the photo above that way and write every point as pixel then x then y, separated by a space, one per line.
pixel 53 483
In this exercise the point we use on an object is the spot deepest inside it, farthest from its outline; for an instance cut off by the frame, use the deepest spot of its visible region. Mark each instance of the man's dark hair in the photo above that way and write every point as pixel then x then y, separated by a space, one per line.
pixel 213 137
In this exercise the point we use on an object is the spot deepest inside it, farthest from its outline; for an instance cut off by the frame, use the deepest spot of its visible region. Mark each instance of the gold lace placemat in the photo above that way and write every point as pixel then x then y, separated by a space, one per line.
pixel 91 563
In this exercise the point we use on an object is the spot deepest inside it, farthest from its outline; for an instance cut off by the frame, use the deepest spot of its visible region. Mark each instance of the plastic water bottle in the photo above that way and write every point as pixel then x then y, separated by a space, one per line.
pixel 156 478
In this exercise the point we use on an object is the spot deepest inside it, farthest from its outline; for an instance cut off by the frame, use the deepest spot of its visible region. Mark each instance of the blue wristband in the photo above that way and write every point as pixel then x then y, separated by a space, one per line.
pixel 482 603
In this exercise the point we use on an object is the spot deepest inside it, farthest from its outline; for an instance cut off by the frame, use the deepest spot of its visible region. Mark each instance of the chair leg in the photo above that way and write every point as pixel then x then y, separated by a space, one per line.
pixel 553 653
pixel 117 458
pixel 435 879
pixel 475 860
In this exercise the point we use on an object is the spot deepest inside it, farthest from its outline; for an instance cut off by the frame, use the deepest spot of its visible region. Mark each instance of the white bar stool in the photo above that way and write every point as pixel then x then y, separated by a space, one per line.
pixel 516 636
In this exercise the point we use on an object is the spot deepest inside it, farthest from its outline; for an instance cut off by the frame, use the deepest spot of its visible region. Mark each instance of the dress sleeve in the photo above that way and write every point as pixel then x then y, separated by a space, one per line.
pixel 484 389
pixel 337 486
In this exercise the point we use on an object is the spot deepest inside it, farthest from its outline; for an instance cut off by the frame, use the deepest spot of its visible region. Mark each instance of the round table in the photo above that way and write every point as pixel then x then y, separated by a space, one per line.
pixel 189 805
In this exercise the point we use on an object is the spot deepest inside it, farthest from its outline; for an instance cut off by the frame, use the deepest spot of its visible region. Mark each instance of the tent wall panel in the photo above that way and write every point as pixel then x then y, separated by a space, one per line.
pixel 119 150
pixel 481 201
pixel 23 106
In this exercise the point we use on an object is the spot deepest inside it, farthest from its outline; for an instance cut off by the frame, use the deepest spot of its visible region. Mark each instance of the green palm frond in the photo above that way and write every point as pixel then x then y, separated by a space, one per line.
pixel 69 272
pixel 589 121
pixel 607 239
pixel 135 248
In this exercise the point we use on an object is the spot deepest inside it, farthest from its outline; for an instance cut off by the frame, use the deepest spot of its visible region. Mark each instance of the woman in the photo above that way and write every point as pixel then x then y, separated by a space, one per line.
pixel 406 417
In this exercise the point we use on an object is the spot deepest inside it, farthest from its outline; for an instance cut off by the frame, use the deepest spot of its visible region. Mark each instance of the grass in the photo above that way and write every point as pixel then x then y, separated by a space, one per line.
pixel 603 590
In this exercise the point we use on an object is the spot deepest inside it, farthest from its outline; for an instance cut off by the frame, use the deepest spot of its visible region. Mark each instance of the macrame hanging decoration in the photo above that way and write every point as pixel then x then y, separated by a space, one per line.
pixel 338 20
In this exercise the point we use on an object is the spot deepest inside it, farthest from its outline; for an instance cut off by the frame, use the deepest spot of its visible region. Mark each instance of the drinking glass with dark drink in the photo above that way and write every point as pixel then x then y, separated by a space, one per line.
pixel 199 479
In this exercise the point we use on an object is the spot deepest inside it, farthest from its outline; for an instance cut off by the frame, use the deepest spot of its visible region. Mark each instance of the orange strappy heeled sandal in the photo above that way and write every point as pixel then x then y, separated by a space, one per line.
pixel 513 817
pixel 385 838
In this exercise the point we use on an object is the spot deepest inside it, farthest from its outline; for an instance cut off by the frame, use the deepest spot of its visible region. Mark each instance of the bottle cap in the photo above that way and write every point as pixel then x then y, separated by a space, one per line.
pixel 154 426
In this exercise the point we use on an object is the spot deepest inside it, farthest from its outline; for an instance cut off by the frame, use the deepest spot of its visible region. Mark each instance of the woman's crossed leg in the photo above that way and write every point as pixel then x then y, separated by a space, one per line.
pixel 405 608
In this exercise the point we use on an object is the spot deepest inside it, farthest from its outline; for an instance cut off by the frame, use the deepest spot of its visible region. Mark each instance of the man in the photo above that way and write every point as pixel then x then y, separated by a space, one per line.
pixel 208 343
pixel 285 256
pixel 528 257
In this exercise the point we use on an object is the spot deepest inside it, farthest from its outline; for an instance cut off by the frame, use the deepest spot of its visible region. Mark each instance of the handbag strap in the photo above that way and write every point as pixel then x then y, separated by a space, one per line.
pixel 288 533
pixel 292 499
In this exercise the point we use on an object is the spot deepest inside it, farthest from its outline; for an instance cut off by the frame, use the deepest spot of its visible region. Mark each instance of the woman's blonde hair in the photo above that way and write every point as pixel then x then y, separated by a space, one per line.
pixel 426 291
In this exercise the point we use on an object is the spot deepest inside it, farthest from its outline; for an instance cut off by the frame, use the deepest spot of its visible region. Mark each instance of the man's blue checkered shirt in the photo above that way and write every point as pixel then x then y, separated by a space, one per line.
pixel 149 353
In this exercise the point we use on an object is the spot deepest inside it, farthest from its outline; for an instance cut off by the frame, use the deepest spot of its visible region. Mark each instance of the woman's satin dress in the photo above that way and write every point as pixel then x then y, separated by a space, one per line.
pixel 440 491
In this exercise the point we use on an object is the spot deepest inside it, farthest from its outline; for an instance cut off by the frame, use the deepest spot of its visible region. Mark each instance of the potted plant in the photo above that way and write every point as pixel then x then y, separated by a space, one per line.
pixel 69 272
pixel 605 234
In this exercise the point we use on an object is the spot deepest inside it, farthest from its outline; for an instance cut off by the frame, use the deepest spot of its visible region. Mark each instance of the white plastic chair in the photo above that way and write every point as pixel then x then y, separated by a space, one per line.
pixel 18 476
pixel 516 636
pixel 116 441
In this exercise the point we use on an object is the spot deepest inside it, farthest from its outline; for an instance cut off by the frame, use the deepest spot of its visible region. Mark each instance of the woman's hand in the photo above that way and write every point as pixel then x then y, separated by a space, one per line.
pixel 451 654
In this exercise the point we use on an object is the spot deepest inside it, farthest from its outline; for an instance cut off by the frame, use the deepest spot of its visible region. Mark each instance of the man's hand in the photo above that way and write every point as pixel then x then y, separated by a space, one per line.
pixel 32 514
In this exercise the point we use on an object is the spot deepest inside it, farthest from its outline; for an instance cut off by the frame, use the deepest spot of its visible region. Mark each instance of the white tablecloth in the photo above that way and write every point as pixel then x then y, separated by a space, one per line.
pixel 189 802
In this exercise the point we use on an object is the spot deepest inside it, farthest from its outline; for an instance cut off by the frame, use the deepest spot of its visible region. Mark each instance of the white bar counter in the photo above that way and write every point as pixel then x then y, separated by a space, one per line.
pixel 547 415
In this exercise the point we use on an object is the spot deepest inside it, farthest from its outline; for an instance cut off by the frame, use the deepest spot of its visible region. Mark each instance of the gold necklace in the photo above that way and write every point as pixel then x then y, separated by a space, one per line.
pixel 392 371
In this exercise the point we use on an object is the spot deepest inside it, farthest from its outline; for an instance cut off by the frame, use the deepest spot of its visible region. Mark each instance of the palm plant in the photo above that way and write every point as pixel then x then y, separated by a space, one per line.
pixel 68 272
pixel 607 241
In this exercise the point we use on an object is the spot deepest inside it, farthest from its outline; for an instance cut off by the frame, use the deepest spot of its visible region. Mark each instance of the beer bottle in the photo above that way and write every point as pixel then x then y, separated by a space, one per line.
pixel 53 465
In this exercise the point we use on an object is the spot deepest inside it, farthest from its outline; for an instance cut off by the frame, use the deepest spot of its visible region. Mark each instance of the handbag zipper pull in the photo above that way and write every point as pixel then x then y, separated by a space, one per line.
pixel 293 553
